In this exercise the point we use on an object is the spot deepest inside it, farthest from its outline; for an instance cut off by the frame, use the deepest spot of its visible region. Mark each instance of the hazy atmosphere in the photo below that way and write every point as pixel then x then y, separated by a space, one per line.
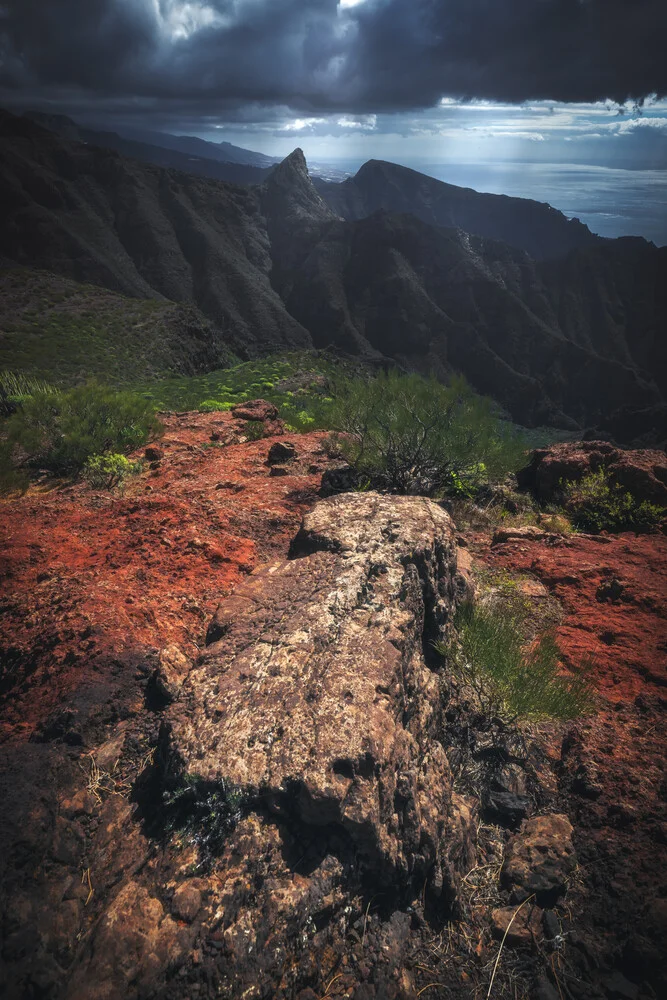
pixel 510 96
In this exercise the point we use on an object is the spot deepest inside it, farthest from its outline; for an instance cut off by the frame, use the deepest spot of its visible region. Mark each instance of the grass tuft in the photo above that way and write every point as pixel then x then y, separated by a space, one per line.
pixel 508 679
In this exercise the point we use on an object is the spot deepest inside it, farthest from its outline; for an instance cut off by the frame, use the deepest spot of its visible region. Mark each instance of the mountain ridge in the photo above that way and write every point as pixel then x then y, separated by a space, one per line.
pixel 274 266
pixel 536 227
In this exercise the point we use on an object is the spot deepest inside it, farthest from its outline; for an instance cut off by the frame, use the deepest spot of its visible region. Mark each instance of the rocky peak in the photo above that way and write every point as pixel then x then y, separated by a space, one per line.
pixel 289 193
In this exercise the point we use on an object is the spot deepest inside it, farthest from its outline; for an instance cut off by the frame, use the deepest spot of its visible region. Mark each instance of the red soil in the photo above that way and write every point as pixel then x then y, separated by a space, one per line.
pixel 89 576
pixel 613 590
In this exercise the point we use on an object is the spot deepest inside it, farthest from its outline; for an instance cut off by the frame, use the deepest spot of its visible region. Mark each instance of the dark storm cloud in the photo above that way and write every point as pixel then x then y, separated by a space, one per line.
pixel 209 57
pixel 512 50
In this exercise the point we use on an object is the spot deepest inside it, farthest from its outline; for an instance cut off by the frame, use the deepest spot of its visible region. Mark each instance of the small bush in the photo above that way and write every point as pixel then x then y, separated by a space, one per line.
pixel 409 434
pixel 107 471
pixel 60 431
pixel 215 406
pixel 253 430
pixel 597 504
pixel 508 680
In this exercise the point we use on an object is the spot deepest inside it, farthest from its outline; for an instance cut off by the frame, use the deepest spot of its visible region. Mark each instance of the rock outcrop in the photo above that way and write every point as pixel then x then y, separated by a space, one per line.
pixel 318 700
pixel 642 472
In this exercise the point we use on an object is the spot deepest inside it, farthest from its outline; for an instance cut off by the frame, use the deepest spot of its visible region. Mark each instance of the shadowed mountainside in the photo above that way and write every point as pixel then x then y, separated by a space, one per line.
pixel 65 332
pixel 94 216
pixel 575 341
pixel 533 226
pixel 195 156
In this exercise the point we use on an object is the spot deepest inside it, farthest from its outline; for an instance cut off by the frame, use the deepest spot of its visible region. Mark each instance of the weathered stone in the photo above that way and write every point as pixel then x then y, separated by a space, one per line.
pixel 506 808
pixel 153 454
pixel 255 409
pixel 517 926
pixel 131 947
pixel 281 451
pixel 526 533
pixel 186 903
pixel 107 755
pixel 539 859
pixel 68 842
pixel 278 470
pixel 316 694
pixel 172 669
pixel 544 990
pixel 342 479
pixel 82 803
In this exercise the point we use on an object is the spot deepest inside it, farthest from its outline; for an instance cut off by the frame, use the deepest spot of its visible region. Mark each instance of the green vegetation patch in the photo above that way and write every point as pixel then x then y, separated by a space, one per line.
pixel 107 471
pixel 60 431
pixel 510 678
pixel 596 504
pixel 409 434
pixel 202 812
pixel 65 333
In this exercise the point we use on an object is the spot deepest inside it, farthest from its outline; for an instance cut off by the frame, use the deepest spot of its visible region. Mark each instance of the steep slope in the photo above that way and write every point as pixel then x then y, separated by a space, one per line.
pixel 195 156
pixel 64 332
pixel 532 226
pixel 577 341
pixel 93 216
pixel 438 300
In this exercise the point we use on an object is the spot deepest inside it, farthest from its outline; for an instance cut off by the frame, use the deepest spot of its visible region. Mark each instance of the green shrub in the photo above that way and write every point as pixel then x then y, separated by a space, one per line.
pixel 253 430
pixel 510 681
pixel 597 504
pixel 409 434
pixel 106 471
pixel 60 431
pixel 214 406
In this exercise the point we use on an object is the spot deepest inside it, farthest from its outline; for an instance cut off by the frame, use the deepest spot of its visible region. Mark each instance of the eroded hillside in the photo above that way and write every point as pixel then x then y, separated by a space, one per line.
pixel 574 341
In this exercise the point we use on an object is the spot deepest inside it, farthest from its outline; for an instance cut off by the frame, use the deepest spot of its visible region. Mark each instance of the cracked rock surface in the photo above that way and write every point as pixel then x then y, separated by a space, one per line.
pixel 318 700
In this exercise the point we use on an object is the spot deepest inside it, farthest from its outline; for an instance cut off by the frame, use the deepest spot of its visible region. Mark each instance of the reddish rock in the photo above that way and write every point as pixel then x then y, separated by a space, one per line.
pixel 517 926
pixel 539 859
pixel 255 409
pixel 642 472
pixel 186 903
pixel 129 949
pixel 529 532
pixel 613 591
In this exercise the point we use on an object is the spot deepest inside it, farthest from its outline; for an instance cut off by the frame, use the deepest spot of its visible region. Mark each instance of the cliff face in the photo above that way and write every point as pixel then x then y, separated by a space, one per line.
pixel 576 341
pixel 92 215
pixel 440 300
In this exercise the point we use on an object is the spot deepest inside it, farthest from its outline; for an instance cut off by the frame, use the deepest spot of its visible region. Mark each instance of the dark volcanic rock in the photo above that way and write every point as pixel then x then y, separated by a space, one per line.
pixel 281 451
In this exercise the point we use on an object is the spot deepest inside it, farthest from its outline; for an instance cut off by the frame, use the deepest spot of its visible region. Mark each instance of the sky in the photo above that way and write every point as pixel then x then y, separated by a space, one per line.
pixel 439 83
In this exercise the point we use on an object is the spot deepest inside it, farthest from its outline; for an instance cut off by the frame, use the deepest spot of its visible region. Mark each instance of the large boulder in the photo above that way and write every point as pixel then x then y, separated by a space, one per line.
pixel 642 472
pixel 317 697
